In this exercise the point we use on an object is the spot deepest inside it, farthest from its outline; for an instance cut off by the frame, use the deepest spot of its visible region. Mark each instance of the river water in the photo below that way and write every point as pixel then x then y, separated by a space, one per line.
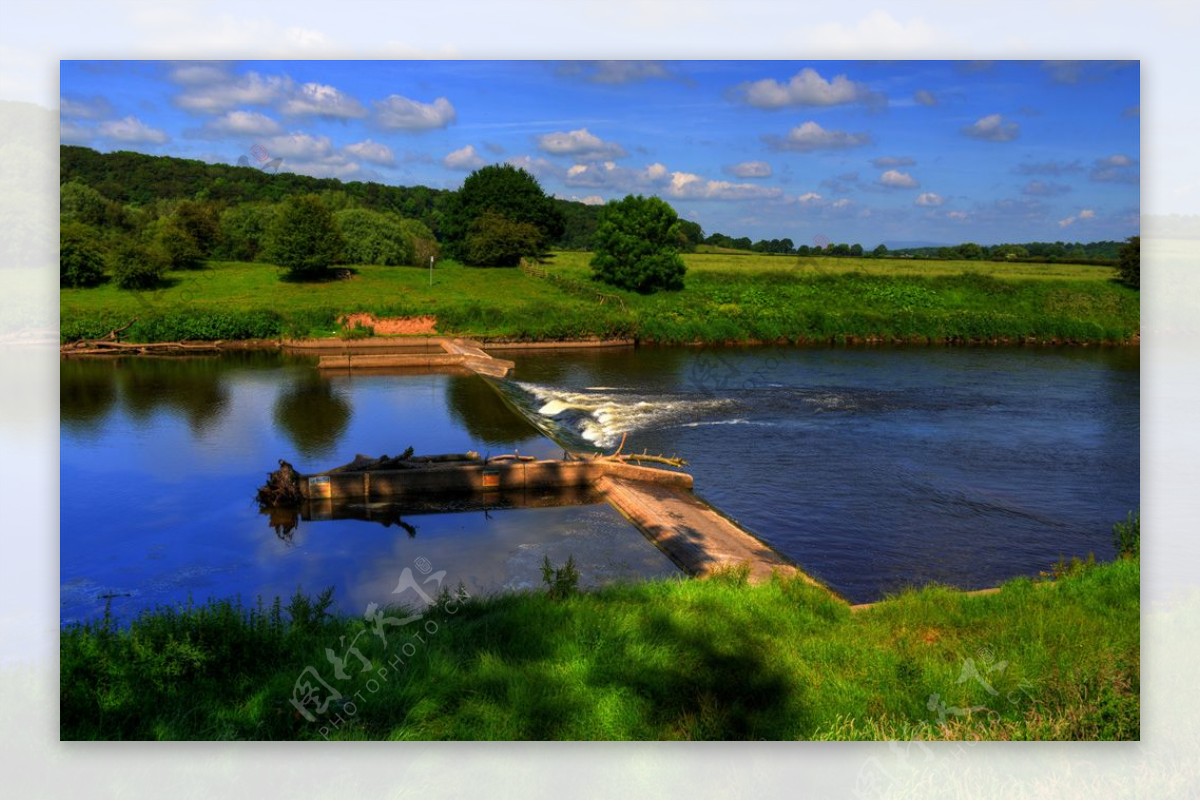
pixel 871 468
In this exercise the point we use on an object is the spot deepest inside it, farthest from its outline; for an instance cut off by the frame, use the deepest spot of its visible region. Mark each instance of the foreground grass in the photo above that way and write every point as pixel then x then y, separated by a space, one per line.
pixel 713 659
pixel 728 298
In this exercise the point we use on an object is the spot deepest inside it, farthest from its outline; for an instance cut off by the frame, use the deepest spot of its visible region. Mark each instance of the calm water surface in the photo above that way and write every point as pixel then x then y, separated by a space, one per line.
pixel 872 468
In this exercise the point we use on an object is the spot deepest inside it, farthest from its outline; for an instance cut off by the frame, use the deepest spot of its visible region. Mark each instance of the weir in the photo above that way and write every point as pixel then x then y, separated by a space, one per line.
pixel 659 502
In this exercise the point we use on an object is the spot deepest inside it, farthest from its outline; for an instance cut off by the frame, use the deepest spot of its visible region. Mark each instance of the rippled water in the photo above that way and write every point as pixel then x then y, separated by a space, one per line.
pixel 875 468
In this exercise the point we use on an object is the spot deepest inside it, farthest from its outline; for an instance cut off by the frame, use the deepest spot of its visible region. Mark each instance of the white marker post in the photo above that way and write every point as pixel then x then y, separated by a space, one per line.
pixel 431 270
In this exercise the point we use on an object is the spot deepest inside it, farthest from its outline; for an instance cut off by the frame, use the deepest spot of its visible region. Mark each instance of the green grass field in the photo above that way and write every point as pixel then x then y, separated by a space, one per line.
pixel 677 659
pixel 728 298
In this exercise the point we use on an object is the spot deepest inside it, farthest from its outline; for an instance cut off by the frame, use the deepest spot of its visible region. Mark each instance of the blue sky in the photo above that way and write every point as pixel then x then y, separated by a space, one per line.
pixel 853 151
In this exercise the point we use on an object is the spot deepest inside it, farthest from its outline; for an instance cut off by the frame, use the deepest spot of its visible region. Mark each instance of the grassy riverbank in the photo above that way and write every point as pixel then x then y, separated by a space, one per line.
pixel 713 659
pixel 728 298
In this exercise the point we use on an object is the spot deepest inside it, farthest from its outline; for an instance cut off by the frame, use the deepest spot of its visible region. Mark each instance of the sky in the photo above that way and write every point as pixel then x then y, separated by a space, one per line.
pixel 846 151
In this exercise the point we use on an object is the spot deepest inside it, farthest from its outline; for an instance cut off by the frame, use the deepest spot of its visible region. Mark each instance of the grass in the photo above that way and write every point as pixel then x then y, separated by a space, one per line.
pixel 728 298
pixel 677 659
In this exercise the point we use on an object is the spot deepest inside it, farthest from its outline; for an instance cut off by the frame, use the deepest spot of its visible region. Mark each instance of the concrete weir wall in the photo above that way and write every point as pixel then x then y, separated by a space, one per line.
pixel 433 352
pixel 463 479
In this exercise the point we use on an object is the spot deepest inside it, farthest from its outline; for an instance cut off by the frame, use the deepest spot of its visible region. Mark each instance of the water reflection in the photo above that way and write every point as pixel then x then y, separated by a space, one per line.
pixel 312 414
pixel 479 409
pixel 87 392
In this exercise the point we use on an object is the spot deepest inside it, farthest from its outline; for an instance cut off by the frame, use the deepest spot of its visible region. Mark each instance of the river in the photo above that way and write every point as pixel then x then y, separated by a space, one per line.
pixel 872 468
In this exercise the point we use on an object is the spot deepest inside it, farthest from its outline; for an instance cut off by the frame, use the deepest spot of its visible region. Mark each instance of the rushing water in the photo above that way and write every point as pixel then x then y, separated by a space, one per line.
pixel 871 468
pixel 875 468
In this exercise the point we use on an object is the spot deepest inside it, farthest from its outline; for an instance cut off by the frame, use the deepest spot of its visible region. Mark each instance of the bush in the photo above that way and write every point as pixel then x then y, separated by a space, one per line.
pixel 80 256
pixel 636 245
pixel 243 230
pixel 496 241
pixel 138 266
pixel 1127 536
pixel 373 237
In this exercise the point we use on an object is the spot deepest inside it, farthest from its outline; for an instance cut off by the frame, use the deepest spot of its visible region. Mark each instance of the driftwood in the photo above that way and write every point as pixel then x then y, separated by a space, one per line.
pixel 617 456
pixel 282 488
pixel 405 461
pixel 110 345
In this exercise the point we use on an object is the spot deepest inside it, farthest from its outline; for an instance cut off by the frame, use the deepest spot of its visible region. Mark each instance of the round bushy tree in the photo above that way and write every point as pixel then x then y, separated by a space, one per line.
pixel 304 238
pixel 510 192
pixel 139 266
pixel 636 245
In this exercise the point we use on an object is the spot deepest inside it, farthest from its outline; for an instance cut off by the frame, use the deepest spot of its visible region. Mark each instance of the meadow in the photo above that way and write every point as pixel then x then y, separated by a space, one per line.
pixel 676 659
pixel 728 297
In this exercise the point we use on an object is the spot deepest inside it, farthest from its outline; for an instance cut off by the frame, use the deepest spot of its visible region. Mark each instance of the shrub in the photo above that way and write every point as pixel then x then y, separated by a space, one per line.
pixel 80 256
pixel 1127 536
pixel 496 241
pixel 1129 262
pixel 373 237
pixel 561 582
pixel 138 266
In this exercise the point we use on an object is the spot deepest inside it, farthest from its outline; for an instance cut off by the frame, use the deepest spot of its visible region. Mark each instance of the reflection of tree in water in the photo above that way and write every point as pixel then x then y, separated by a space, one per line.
pixel 87 391
pixel 190 387
pixel 477 408
pixel 312 414
pixel 284 522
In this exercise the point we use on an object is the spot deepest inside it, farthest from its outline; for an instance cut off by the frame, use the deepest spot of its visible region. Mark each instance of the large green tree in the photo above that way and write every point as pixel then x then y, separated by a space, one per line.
pixel 510 192
pixel 304 238
pixel 637 244
pixel 373 237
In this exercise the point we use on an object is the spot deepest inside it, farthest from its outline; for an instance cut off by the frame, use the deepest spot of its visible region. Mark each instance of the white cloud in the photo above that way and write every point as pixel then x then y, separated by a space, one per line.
pixel 925 97
pixel 373 152
pixel 750 169
pixel 1084 214
pixel 808 198
pixel 656 171
pixel 402 114
pixel 193 73
pixel 465 158
pixel 898 180
pixel 893 161
pixel 537 167
pixel 693 187
pixel 589 200
pixel 1117 168
pixel 929 199
pixel 241 123
pixel 957 215
pixel 299 147
pixel 842 203
pixel 325 101
pixel 133 131
pixel 992 128
pixel 580 143
pixel 805 88
pixel 251 89
pixel 810 136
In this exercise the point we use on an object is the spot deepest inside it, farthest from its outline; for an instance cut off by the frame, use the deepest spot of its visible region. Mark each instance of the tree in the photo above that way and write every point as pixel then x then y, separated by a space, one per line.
pixel 1129 262
pixel 691 234
pixel 856 250
pixel 139 266
pixel 243 231
pixel 304 238
pixel 496 241
pixel 373 237
pixel 507 191
pixel 636 245
pixel 80 255
pixel 880 251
